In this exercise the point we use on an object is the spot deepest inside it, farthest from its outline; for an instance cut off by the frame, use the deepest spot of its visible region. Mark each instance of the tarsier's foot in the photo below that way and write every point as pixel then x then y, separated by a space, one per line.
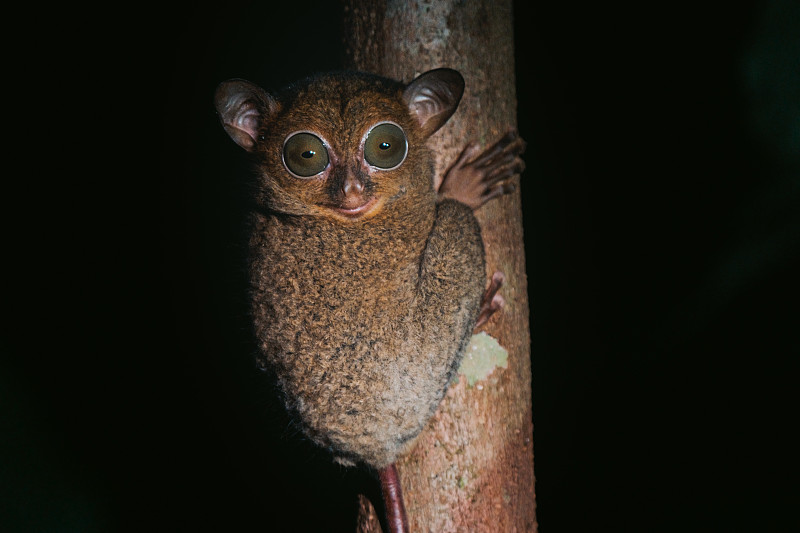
pixel 491 301
pixel 477 177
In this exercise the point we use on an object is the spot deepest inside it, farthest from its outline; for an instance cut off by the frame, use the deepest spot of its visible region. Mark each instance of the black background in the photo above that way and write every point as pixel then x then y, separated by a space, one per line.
pixel 661 227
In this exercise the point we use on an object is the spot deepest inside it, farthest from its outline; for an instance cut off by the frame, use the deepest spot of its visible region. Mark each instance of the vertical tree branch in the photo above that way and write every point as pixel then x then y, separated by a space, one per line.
pixel 472 467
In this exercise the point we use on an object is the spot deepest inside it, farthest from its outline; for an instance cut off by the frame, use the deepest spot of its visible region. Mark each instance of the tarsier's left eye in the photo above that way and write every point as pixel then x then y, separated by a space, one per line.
pixel 305 155
pixel 386 146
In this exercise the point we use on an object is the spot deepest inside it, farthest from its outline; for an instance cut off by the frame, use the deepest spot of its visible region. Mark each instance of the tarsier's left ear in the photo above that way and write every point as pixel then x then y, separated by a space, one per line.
pixel 433 97
pixel 242 107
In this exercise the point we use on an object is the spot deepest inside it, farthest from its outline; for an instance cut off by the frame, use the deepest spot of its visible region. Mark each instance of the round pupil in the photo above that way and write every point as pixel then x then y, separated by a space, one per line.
pixel 386 146
pixel 305 155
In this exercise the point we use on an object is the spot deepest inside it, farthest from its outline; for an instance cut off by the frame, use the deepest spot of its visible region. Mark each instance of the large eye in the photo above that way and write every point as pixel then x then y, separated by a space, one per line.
pixel 386 146
pixel 305 155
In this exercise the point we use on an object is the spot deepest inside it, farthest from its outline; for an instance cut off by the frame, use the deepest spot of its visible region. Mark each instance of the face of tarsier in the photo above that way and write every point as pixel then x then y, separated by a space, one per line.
pixel 367 273
pixel 341 146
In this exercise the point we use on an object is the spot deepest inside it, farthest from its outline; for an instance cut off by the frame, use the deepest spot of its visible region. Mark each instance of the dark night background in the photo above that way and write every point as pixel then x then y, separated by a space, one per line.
pixel 662 226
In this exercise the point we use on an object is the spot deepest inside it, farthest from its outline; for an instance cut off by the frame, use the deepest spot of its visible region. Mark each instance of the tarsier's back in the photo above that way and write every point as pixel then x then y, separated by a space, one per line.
pixel 366 282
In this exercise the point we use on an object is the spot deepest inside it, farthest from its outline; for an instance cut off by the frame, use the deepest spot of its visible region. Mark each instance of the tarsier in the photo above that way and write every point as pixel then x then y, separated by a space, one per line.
pixel 367 273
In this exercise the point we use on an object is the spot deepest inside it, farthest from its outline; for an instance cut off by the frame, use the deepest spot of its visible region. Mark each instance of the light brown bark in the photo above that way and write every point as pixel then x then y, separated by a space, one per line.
pixel 472 467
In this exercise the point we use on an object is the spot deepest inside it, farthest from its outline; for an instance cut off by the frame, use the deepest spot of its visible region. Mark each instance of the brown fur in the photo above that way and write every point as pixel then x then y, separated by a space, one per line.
pixel 363 320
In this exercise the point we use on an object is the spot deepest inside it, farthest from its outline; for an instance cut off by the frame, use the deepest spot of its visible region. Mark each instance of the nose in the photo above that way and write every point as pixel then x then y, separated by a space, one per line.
pixel 352 185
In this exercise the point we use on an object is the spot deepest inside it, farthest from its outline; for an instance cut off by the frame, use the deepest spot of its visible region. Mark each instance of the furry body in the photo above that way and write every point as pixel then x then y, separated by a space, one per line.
pixel 364 344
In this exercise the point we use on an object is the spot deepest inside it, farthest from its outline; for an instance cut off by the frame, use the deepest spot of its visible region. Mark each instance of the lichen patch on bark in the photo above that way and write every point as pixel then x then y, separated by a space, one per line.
pixel 483 355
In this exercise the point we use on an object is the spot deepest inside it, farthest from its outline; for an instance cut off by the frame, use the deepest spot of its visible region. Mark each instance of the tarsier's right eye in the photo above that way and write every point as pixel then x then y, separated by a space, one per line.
pixel 305 155
pixel 386 146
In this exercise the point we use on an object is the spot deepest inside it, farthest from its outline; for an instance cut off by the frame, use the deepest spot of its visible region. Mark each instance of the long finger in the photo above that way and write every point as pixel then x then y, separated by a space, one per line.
pixel 501 154
pixel 486 312
pixel 494 285
pixel 502 173
pixel 496 149
pixel 498 190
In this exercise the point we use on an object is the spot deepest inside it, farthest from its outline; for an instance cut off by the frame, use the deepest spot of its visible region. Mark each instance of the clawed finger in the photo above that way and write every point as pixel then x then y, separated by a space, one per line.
pixel 498 190
pixel 502 152
pixel 491 301
pixel 496 304
pixel 505 172
pixel 496 148
pixel 494 285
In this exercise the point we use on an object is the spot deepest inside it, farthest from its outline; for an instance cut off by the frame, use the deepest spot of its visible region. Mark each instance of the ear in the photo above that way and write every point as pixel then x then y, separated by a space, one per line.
pixel 242 107
pixel 433 97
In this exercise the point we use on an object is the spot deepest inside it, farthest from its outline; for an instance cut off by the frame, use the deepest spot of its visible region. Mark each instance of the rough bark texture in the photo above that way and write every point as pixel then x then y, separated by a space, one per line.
pixel 472 467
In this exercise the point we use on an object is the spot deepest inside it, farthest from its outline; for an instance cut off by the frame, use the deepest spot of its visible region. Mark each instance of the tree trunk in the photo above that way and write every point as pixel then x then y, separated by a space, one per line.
pixel 472 467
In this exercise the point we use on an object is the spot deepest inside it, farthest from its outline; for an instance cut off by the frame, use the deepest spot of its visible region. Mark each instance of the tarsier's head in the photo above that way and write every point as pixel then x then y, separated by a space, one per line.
pixel 340 145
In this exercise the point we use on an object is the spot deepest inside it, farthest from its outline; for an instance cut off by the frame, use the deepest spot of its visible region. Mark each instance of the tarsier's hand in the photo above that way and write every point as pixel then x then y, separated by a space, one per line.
pixel 476 177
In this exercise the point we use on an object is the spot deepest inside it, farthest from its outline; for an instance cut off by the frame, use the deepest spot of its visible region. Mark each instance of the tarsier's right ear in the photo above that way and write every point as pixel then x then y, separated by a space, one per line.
pixel 433 97
pixel 242 107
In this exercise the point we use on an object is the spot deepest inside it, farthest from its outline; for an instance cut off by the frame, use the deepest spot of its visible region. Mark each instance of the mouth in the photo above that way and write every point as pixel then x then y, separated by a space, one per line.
pixel 356 212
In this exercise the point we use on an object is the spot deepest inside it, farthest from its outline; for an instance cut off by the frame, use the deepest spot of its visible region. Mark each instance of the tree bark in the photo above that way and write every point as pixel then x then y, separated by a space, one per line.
pixel 472 467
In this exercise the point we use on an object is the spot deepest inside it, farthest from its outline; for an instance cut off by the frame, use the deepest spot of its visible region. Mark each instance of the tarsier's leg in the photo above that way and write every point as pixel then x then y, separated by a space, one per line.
pixel 393 499
pixel 396 517
pixel 478 176
pixel 491 301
